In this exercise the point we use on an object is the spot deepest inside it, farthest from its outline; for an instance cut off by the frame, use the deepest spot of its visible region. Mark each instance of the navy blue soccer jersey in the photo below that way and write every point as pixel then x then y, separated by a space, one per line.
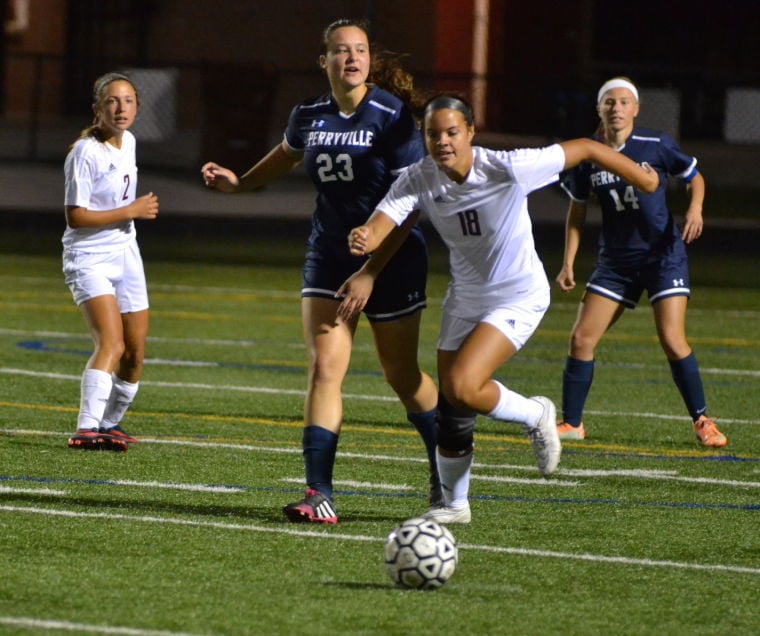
pixel 636 227
pixel 352 159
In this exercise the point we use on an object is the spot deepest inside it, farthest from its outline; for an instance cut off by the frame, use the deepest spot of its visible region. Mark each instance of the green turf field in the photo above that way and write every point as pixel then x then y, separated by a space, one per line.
pixel 641 532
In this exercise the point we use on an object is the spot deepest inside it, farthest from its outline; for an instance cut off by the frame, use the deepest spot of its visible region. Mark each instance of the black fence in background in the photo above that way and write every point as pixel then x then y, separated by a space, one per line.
pixel 187 112
pixel 234 114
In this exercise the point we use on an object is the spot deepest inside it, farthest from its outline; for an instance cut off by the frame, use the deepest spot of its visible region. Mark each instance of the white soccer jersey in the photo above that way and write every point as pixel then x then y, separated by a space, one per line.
pixel 483 221
pixel 100 176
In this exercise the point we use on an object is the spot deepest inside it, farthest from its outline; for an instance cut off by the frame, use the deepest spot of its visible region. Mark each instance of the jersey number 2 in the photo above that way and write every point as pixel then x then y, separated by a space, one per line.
pixel 629 196
pixel 330 170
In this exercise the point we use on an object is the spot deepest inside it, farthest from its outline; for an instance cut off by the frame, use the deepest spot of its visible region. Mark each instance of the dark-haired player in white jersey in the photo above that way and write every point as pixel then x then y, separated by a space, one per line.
pixel 353 141
pixel 641 248
pixel 102 263
pixel 477 200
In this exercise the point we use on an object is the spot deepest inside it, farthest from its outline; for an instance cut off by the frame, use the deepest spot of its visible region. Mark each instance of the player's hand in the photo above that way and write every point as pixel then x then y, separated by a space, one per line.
pixel 358 239
pixel 145 207
pixel 566 279
pixel 653 178
pixel 219 177
pixel 355 293
pixel 693 224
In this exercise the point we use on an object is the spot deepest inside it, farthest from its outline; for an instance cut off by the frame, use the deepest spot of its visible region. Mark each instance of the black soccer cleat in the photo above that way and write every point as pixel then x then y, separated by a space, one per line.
pixel 313 507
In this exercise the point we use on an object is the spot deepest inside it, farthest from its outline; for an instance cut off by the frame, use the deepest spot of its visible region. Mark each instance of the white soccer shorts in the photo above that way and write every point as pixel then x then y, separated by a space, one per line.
pixel 516 321
pixel 118 272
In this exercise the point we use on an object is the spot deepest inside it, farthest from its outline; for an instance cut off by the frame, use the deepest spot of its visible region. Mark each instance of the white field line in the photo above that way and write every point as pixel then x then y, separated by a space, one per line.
pixel 175 486
pixel 563 472
pixel 252 343
pixel 129 484
pixel 31 491
pixel 27 622
pixel 353 484
pixel 197 386
pixel 347 396
pixel 327 534
pixel 526 482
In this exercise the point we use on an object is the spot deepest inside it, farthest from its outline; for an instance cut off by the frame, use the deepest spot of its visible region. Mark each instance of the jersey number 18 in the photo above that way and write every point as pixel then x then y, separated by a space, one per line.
pixel 469 222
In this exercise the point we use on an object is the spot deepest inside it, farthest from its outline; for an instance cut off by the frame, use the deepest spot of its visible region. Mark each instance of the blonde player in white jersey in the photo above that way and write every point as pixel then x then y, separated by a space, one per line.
pixel 477 200
pixel 102 263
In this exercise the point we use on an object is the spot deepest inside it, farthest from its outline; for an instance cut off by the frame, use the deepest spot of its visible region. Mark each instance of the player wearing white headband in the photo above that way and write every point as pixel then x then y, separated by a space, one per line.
pixel 641 248
pixel 617 82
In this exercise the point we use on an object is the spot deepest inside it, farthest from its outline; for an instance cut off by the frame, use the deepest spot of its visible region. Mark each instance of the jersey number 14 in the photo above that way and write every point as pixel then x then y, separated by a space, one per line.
pixel 629 197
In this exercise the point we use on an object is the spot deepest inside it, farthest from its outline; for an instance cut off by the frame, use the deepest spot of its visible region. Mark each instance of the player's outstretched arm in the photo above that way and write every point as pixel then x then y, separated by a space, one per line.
pixel 355 292
pixel 366 238
pixel 275 164
pixel 642 177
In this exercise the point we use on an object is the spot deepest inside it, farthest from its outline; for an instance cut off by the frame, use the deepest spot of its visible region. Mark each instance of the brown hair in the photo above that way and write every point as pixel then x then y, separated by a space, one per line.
pixel 98 93
pixel 386 68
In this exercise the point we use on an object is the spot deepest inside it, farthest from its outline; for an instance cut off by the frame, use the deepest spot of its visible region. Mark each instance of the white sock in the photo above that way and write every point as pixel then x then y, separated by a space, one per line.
pixel 122 394
pixel 95 389
pixel 513 407
pixel 455 479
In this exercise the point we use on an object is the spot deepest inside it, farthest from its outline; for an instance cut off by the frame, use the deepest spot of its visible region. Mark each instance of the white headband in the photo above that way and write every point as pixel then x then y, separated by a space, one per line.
pixel 616 83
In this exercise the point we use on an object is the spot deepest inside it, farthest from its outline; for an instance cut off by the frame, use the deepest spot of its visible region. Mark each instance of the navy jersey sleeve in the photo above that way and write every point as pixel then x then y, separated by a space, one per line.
pixel 576 182
pixel 674 161
pixel 403 143
pixel 293 136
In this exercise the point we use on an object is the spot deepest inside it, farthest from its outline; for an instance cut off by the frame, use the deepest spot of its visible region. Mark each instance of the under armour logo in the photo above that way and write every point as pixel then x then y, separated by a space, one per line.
pixel 678 282
pixel 511 323
pixel 318 123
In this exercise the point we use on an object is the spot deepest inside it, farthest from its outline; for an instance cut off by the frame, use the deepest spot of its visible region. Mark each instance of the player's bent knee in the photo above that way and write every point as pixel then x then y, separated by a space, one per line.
pixel 455 427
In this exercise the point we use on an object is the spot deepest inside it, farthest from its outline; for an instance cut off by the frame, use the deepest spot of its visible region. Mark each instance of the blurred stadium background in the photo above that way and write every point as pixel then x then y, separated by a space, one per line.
pixel 217 79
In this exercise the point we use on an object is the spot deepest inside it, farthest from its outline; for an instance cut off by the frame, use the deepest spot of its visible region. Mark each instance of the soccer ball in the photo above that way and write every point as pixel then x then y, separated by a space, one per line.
pixel 420 554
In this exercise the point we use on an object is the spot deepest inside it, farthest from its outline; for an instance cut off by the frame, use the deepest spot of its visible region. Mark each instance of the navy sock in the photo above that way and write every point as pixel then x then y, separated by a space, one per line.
pixel 576 382
pixel 427 426
pixel 689 382
pixel 319 448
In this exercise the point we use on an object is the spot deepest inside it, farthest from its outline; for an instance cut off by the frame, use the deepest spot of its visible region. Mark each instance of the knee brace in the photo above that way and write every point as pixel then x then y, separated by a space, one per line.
pixel 455 427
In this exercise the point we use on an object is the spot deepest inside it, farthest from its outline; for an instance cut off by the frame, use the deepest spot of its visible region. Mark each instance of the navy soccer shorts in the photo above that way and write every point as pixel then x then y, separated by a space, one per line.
pixel 625 284
pixel 399 289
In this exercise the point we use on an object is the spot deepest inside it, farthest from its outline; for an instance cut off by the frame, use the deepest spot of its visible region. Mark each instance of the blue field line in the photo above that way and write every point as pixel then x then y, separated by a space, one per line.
pixel 660 457
pixel 39 345
pixel 687 505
